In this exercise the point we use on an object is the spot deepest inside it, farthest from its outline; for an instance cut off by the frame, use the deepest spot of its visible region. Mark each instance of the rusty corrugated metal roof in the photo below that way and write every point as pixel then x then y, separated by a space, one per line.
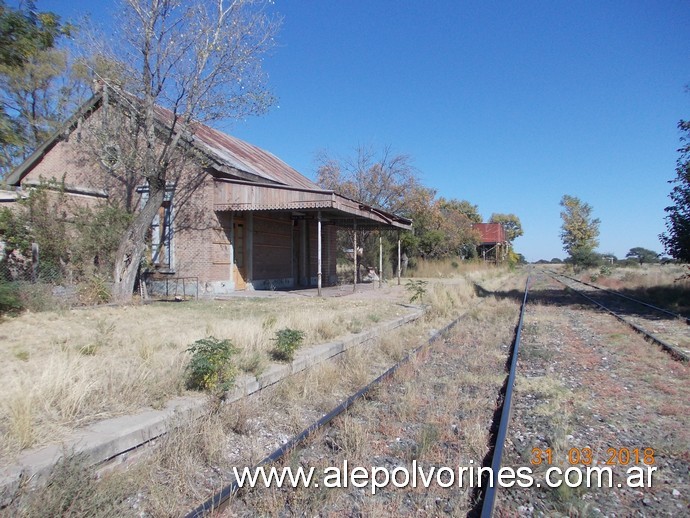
pixel 490 233
pixel 238 195
pixel 233 153
pixel 249 158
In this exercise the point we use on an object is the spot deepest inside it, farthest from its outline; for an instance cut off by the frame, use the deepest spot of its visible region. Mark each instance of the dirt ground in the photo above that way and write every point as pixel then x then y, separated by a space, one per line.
pixel 591 392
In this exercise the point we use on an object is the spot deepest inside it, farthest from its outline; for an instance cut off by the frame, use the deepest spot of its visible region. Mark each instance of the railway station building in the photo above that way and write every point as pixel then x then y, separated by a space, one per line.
pixel 250 222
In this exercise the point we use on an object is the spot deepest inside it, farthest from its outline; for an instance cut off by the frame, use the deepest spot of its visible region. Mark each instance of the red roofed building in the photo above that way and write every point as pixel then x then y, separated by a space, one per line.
pixel 494 244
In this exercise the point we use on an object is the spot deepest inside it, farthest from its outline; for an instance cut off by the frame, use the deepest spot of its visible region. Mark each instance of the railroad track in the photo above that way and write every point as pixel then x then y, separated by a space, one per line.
pixel 658 325
pixel 324 434
pixel 585 384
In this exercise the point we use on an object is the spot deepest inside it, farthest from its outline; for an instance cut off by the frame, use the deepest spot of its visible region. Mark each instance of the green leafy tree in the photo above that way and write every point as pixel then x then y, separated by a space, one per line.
pixel 676 239
pixel 36 90
pixel 98 230
pixel 40 218
pixel 14 232
pixel 75 241
pixel 511 224
pixel 464 207
pixel 455 219
pixel 579 231
pixel 643 255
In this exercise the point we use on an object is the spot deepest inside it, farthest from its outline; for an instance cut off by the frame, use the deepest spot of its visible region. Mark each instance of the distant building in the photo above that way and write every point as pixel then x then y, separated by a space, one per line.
pixel 493 243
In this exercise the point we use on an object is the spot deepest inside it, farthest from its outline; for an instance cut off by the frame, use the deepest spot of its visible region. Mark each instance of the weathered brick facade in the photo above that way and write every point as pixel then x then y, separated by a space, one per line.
pixel 250 222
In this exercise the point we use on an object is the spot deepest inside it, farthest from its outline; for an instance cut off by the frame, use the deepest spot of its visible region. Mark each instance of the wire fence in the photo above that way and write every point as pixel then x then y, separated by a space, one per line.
pixel 30 283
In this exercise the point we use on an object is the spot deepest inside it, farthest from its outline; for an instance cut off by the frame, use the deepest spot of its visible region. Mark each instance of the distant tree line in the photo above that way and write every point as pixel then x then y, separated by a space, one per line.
pixel 442 228
pixel 580 231
pixel 635 256
pixel 580 237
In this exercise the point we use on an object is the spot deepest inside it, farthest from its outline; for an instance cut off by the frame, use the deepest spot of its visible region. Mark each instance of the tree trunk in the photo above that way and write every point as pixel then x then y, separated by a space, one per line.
pixel 132 247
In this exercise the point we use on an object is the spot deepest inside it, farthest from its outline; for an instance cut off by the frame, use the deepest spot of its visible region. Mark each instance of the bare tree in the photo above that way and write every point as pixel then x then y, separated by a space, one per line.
pixel 382 179
pixel 199 60
pixel 385 180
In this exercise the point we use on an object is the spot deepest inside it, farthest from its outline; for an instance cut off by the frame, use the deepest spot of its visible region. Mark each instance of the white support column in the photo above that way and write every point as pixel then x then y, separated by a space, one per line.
pixel 232 250
pixel 354 287
pixel 249 243
pixel 318 255
pixel 399 260
pixel 380 260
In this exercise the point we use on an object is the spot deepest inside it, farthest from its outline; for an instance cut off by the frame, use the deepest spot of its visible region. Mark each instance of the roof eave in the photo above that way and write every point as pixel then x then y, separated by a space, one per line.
pixel 16 176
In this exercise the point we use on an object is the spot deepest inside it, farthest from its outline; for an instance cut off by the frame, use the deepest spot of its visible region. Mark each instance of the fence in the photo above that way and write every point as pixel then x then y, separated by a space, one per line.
pixel 40 285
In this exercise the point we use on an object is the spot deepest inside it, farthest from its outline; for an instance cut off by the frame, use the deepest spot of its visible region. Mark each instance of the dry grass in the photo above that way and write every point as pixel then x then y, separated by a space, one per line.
pixel 446 268
pixel 666 285
pixel 195 459
pixel 636 277
pixel 437 411
pixel 68 368
pixel 65 369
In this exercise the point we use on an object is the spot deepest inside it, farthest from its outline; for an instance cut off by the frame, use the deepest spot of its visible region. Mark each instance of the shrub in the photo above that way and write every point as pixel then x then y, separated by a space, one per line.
pixel 10 302
pixel 94 290
pixel 605 270
pixel 210 367
pixel 417 288
pixel 287 342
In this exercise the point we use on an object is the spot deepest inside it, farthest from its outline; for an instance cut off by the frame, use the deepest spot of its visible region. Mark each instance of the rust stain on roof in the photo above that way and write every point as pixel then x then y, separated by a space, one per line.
pixel 249 158
pixel 490 232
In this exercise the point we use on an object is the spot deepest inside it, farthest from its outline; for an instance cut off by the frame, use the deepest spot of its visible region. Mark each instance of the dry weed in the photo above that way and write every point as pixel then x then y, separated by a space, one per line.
pixel 101 362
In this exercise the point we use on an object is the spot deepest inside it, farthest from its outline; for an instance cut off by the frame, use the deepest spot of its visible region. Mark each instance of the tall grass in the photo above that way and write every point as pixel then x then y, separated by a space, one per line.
pixel 65 369
pixel 198 454
pixel 445 268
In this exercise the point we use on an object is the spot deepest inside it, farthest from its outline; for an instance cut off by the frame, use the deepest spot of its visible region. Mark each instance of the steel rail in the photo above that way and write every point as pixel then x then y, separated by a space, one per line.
pixel 487 494
pixel 632 299
pixel 674 351
pixel 220 499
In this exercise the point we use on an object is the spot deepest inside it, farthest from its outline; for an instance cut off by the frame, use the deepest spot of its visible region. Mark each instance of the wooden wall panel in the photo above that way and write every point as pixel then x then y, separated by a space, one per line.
pixel 272 246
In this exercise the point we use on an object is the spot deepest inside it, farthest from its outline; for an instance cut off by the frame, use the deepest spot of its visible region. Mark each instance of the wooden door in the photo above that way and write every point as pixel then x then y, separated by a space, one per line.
pixel 239 270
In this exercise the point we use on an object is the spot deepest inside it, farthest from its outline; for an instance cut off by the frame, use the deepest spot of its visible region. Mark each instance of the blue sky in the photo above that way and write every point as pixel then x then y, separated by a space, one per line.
pixel 508 105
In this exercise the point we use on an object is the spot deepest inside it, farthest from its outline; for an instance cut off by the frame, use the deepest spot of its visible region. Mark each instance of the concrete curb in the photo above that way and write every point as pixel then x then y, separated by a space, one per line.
pixel 112 440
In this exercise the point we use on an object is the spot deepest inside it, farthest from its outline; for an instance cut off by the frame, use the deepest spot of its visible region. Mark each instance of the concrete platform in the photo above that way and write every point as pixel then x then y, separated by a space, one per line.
pixel 115 440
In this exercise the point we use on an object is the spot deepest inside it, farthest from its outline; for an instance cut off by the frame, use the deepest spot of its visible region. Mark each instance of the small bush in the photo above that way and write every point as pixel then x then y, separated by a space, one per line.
pixel 606 270
pixel 417 288
pixel 10 302
pixel 94 290
pixel 210 368
pixel 287 342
